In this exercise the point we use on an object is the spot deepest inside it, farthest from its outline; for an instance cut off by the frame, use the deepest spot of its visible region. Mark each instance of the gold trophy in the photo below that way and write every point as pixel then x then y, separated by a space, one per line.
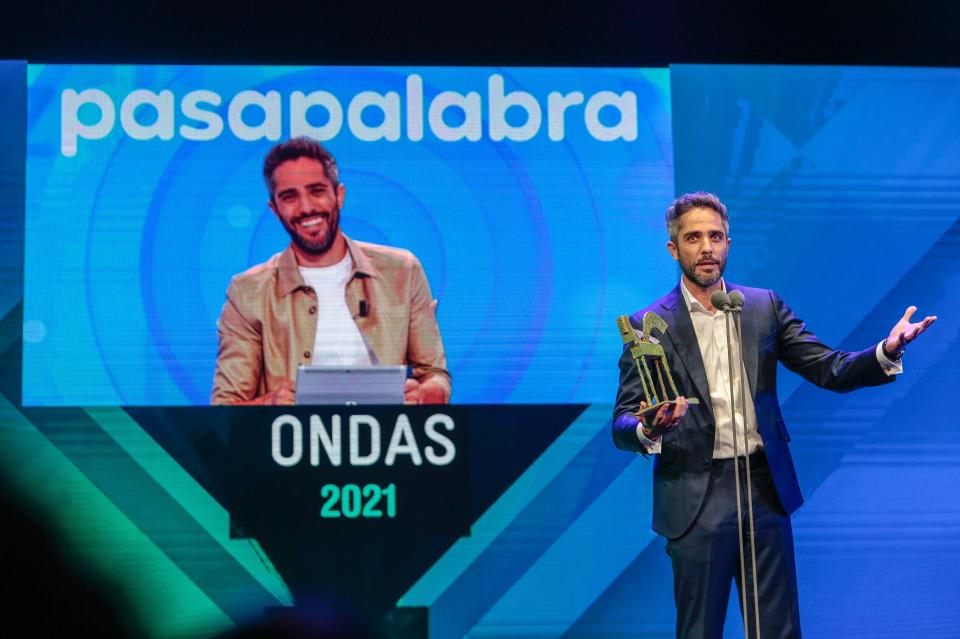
pixel 647 355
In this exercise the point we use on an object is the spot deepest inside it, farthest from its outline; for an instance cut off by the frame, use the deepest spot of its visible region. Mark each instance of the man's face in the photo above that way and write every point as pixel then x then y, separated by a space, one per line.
pixel 308 204
pixel 701 246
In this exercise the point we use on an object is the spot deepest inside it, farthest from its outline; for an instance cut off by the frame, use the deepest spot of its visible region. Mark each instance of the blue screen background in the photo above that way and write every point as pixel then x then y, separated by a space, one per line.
pixel 528 245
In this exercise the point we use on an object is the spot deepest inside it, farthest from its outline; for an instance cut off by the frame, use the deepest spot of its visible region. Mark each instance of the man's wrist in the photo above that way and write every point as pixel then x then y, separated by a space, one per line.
pixel 433 391
pixel 892 356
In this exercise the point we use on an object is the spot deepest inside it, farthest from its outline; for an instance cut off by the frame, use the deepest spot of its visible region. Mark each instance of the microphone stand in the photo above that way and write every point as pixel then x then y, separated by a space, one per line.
pixel 722 301
pixel 736 308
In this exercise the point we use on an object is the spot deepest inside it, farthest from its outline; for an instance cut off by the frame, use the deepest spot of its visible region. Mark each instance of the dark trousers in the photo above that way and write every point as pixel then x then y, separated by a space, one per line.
pixel 706 558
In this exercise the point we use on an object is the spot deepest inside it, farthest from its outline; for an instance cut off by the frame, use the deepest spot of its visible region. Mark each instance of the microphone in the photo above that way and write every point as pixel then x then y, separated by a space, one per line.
pixel 363 308
pixel 736 300
pixel 720 300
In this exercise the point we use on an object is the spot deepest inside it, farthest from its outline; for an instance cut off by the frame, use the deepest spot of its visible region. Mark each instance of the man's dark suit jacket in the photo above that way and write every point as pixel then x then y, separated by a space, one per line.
pixel 771 332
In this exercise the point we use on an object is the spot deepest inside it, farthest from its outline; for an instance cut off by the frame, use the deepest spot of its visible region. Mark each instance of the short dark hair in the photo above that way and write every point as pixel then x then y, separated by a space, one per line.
pixel 293 149
pixel 687 201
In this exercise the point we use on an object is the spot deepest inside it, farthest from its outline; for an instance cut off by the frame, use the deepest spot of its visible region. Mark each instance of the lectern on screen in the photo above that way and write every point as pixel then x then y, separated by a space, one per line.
pixel 350 385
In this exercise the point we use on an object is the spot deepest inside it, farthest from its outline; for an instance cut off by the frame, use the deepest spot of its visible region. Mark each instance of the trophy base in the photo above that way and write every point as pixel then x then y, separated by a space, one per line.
pixel 652 409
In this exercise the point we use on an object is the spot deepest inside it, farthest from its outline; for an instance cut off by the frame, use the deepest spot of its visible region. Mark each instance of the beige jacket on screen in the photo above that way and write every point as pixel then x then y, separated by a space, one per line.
pixel 268 324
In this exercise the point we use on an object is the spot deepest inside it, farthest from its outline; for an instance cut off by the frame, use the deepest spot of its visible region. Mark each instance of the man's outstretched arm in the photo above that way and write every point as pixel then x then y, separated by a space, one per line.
pixel 802 352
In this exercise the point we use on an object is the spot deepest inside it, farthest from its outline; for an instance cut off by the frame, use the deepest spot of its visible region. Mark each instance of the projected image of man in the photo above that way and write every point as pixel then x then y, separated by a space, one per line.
pixel 325 299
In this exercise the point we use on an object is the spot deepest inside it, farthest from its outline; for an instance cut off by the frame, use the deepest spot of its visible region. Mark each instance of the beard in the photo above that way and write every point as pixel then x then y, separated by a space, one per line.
pixel 315 244
pixel 704 280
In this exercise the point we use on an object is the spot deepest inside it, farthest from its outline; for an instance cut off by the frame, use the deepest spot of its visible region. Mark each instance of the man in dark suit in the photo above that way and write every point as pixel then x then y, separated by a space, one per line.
pixel 699 448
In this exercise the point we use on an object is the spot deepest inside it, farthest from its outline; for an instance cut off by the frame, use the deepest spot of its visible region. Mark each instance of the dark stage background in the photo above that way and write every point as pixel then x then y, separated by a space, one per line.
pixel 576 33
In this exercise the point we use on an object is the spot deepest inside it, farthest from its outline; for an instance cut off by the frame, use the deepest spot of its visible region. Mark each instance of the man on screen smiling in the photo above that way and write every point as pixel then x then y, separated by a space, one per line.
pixel 325 299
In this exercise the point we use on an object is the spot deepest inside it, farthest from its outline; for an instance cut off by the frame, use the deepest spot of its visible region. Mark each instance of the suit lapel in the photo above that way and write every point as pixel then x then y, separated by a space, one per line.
pixel 750 337
pixel 680 332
